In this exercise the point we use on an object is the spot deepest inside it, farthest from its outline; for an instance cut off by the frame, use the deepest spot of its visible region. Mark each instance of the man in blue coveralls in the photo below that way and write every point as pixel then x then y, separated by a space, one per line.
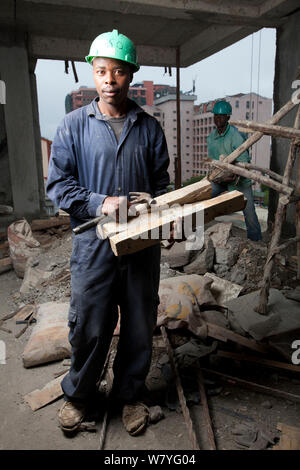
pixel 101 152
pixel 223 141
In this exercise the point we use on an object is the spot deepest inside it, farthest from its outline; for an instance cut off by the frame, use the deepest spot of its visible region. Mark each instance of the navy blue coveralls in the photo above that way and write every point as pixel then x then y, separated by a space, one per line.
pixel 87 164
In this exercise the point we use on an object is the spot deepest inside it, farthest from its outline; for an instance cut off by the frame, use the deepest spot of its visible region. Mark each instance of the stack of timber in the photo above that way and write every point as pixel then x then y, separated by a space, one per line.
pixel 149 228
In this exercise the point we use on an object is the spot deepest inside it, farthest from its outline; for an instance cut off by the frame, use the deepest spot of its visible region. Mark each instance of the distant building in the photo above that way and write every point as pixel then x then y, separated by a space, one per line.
pixel 250 106
pixel 143 94
pixel 146 92
pixel 167 105
pixel 77 99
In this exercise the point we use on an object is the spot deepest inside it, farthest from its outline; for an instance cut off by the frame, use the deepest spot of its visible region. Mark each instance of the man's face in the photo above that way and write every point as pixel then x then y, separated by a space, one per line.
pixel 221 120
pixel 112 79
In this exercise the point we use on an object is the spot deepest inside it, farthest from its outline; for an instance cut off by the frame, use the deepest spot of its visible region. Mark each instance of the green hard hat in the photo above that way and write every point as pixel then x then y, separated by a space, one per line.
pixel 222 107
pixel 114 46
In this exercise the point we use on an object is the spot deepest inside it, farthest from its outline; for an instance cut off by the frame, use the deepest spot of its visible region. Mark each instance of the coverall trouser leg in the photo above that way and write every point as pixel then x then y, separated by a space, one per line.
pixel 251 220
pixel 100 282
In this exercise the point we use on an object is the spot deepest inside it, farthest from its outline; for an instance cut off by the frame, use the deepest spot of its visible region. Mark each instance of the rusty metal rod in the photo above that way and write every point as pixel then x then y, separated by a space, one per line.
pixel 185 410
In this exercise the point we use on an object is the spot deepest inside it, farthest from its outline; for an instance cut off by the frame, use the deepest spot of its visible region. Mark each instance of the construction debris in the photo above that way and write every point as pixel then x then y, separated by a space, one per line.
pixel 42 397
pixel 49 338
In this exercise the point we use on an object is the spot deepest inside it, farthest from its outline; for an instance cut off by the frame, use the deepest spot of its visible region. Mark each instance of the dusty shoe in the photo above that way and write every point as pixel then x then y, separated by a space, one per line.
pixel 70 416
pixel 135 418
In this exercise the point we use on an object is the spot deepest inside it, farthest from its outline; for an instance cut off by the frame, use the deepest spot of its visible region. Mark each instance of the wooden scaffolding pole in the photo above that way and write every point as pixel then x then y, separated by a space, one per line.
pixel 178 159
pixel 217 174
pixel 279 219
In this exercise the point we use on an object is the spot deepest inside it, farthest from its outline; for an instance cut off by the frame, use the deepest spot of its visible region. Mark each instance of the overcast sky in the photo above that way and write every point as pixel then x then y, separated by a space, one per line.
pixel 226 73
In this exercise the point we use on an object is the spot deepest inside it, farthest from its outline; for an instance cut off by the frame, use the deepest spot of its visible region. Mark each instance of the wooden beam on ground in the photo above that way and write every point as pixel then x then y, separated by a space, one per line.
pixel 184 407
pixel 42 397
pixel 209 428
pixel 43 224
pixel 258 360
pixel 223 334
pixel 5 265
pixel 149 228
pixel 269 129
pixel 254 386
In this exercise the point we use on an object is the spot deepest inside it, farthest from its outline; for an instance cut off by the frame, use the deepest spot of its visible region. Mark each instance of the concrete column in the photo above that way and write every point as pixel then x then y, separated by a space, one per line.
pixel 22 129
pixel 286 71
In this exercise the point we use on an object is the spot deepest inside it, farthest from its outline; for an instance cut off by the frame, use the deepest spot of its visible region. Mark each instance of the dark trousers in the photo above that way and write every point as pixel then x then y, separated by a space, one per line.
pixel 251 220
pixel 100 282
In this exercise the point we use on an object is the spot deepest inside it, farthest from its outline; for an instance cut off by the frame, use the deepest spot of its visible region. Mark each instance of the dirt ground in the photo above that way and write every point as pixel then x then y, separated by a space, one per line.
pixel 230 405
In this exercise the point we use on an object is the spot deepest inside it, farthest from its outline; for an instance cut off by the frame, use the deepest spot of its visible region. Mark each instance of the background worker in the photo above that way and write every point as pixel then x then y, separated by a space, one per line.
pixel 102 152
pixel 223 141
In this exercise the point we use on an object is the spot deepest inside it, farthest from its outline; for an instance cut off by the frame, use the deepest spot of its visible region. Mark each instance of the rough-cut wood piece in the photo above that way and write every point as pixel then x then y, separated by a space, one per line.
pixel 262 306
pixel 254 386
pixel 215 174
pixel 209 428
pixel 136 235
pixel 195 192
pixel 185 410
pixel 269 129
pixel 258 360
pixel 289 439
pixel 223 334
pixel 5 210
pixel 24 313
pixel 42 397
pixel 281 188
pixel 5 265
pixel 266 171
pixel 43 224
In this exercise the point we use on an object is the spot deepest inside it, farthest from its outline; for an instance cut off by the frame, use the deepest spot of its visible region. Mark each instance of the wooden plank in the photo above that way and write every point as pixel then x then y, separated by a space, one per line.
pixel 254 386
pixel 223 334
pixel 24 313
pixel 148 229
pixel 195 192
pixel 43 224
pixel 5 265
pixel 258 360
pixel 209 428
pixel 289 439
pixel 184 407
pixel 42 397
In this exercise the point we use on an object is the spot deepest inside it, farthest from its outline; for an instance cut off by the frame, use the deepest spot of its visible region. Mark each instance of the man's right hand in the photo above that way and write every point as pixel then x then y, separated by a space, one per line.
pixel 116 207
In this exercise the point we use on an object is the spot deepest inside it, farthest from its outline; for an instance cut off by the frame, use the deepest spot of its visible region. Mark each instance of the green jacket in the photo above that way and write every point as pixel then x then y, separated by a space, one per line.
pixel 224 144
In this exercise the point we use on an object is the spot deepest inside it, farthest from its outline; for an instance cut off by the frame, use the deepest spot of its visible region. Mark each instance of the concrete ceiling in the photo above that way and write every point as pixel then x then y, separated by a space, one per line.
pixel 64 29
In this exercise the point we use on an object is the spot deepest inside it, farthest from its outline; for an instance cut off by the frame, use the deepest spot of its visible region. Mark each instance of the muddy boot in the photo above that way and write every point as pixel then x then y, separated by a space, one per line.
pixel 135 418
pixel 70 416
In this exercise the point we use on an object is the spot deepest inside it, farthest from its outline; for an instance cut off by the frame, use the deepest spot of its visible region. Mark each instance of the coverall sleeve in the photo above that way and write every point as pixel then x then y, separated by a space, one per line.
pixel 63 187
pixel 160 177
pixel 238 140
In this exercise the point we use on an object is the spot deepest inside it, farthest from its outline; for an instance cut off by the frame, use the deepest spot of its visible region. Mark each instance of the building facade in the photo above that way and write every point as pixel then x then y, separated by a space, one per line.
pixel 167 105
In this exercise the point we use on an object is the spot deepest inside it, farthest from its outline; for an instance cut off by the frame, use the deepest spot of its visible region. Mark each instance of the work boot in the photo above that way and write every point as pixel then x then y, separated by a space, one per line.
pixel 70 416
pixel 135 418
